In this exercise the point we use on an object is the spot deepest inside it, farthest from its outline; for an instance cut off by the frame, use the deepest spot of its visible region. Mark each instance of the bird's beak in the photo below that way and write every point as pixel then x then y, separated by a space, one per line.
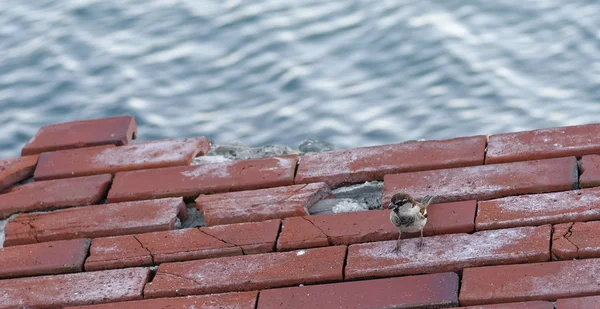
pixel 390 206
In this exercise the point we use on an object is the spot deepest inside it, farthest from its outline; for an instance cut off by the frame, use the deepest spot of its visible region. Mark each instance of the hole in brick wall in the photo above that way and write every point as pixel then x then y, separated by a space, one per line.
pixel 2 226
pixel 360 197
pixel 194 217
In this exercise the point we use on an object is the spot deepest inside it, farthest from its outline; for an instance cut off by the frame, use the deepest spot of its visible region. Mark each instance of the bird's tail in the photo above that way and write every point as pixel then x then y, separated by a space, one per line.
pixel 427 200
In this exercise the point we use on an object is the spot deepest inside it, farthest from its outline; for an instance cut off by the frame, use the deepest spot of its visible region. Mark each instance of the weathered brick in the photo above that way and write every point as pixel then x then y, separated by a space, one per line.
pixel 94 221
pixel 538 209
pixel 73 289
pixel 525 282
pixel 404 292
pixel 340 167
pixel 110 159
pixel 543 144
pixel 369 226
pixel 16 169
pixel 577 240
pixel 449 252
pixel 248 272
pixel 190 181
pixel 590 171
pixel 251 237
pixel 116 131
pixel 48 258
pixel 260 205
pixel 521 305
pixel 52 194
pixel 487 181
pixel 589 302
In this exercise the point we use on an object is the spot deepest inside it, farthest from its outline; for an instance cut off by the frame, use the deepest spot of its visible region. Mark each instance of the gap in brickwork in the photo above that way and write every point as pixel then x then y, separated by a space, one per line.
pixel 2 226
pixel 358 197
pixel 579 171
pixel 194 217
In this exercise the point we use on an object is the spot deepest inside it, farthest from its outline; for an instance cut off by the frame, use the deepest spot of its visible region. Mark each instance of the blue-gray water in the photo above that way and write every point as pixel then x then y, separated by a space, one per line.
pixel 354 73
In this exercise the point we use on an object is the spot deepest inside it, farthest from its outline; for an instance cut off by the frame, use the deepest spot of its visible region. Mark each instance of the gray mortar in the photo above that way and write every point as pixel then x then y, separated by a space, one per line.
pixel 194 217
pixel 365 196
pixel 2 226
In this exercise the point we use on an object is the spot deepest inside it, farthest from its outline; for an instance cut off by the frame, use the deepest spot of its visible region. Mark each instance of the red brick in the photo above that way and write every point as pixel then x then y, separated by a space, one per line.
pixel 16 169
pixel 94 221
pixel 368 226
pixel 248 272
pixel 116 131
pixel 538 209
pixel 522 305
pixel 487 181
pixel 52 194
pixel 340 167
pixel 241 300
pixel 590 171
pixel 260 205
pixel 589 302
pixel 525 282
pixel 543 144
pixel 577 240
pixel 73 289
pixel 190 181
pixel 55 257
pixel 117 252
pixel 110 159
pixel 449 252
pixel 251 237
pixel 426 291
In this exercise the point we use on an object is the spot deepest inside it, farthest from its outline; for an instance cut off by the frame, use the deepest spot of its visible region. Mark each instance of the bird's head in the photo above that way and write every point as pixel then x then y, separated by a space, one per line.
pixel 399 200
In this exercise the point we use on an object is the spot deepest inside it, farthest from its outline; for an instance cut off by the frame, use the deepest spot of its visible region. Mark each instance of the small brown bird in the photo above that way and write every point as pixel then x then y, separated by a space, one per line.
pixel 406 215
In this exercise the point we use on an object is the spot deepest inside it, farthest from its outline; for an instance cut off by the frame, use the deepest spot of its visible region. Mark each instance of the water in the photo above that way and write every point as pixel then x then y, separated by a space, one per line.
pixel 355 73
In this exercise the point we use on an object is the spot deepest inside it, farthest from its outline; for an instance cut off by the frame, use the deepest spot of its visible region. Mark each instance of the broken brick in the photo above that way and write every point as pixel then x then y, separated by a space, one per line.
pixel 48 258
pixel 251 237
pixel 589 302
pixel 248 272
pixel 522 305
pixel 107 159
pixel 114 131
pixel 486 181
pixel 94 221
pixel 590 171
pixel 52 194
pixel 16 169
pixel 543 144
pixel 190 181
pixel 347 166
pixel 538 209
pixel 451 252
pixel 260 205
pixel 578 240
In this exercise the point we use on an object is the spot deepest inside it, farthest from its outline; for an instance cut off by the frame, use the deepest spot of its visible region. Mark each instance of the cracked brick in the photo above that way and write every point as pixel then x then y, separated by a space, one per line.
pixel 576 240
pixel 16 169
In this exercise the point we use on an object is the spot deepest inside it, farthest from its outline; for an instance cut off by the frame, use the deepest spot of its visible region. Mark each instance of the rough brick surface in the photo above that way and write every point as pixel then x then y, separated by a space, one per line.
pixel 94 221
pixel 368 226
pixel 538 209
pixel 340 167
pixel 426 291
pixel 579 240
pixel 449 252
pixel 190 181
pixel 107 159
pixel 486 182
pixel 52 194
pixel 260 205
pixel 589 302
pixel 116 131
pixel 15 170
pixel 521 305
pixel 525 282
pixel 241 300
pixel 49 258
pixel 251 237
pixel 590 171
pixel 248 272
pixel 543 144
pixel 73 289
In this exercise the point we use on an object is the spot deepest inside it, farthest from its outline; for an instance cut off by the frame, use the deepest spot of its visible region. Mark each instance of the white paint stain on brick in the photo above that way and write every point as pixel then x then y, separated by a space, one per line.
pixel 220 170
pixel 156 151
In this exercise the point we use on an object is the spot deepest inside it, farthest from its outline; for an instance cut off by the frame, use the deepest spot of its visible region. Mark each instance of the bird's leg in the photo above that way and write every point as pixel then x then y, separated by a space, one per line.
pixel 397 248
pixel 421 242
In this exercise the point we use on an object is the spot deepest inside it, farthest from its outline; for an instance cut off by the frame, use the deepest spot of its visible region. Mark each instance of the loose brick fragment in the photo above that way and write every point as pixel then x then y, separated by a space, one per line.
pixel 526 282
pixel 543 144
pixel 589 302
pixel 73 289
pixel 248 272
pixel 52 194
pixel 241 300
pixel 426 291
pixel 107 159
pixel 538 209
pixel 368 226
pixel 521 305
pixel 340 167
pixel 260 205
pixel 449 252
pixel 577 240
pixel 94 221
pixel 15 170
pixel 49 258
pixel 487 181
pixel 190 181
pixel 105 131
pixel 590 171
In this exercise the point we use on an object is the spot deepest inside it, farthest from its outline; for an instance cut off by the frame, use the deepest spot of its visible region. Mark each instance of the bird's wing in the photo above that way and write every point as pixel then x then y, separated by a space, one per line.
pixel 403 220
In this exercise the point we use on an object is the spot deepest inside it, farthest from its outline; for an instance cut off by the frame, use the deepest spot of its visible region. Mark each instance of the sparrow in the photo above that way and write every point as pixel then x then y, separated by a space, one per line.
pixel 406 215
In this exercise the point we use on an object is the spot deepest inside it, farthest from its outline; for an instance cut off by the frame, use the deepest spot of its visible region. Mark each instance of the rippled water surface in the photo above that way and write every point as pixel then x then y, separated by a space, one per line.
pixel 354 73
